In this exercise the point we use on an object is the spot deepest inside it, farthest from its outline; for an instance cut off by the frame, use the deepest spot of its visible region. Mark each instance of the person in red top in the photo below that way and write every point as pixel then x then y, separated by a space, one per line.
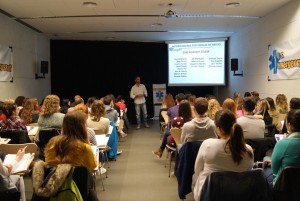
pixel 2 116
pixel 121 103
pixel 11 122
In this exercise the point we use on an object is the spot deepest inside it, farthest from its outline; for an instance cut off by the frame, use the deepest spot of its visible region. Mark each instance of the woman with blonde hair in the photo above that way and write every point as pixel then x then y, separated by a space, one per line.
pixel 228 153
pixel 213 107
pixel 72 143
pixel 30 113
pixel 50 117
pixel 96 119
pixel 230 104
pixel 281 104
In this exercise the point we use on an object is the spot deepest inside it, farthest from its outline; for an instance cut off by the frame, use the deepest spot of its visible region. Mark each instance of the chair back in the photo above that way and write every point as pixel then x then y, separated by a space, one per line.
pixel 81 176
pixel 227 186
pixel 287 185
pixel 261 146
pixel 121 125
pixel 165 116
pixel 43 138
pixel 13 148
pixel 176 134
pixel 16 136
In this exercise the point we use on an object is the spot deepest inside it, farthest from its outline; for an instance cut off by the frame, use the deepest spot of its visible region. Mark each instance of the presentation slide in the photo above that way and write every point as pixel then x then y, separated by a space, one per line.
pixel 195 64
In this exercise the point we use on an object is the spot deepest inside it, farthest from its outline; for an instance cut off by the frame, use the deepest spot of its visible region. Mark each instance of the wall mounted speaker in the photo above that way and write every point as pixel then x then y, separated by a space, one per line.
pixel 234 64
pixel 44 67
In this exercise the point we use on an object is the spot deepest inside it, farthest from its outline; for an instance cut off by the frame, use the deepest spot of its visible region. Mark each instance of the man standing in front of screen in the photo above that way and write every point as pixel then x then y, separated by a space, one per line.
pixel 138 93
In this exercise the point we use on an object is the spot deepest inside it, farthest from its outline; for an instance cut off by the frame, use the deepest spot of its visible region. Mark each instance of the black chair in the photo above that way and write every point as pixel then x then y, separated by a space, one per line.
pixel 16 136
pixel 184 167
pixel 261 146
pixel 43 138
pixel 287 186
pixel 227 186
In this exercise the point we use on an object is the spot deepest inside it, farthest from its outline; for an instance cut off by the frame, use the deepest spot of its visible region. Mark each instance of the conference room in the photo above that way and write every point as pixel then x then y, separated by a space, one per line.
pixel 97 48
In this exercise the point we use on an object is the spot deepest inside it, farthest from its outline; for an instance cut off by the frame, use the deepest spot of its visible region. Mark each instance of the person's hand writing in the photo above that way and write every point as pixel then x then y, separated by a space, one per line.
pixel 20 154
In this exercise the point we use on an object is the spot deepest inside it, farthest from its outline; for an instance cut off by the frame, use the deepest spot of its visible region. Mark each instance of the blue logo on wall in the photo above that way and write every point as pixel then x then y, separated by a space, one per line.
pixel 274 59
pixel 159 95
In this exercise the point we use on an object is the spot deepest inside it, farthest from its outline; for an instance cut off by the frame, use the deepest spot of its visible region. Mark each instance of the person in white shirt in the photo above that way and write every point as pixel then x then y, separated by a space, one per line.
pixel 12 183
pixel 138 93
pixel 228 153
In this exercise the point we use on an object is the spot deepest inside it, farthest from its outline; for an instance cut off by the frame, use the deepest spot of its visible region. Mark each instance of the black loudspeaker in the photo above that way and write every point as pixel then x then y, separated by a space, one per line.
pixel 234 64
pixel 44 67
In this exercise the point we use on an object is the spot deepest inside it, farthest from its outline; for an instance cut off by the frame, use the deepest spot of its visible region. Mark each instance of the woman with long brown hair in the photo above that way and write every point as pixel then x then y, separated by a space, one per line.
pixel 97 119
pixel 228 153
pixel 30 113
pixel 72 143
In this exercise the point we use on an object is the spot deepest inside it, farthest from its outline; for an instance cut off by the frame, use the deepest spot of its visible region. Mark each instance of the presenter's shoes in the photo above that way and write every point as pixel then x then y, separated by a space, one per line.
pixel 158 153
pixel 147 125
pixel 138 127
pixel 119 152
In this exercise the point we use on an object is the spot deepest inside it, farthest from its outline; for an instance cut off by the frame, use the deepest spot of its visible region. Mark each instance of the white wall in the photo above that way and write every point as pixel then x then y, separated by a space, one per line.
pixel 29 48
pixel 250 46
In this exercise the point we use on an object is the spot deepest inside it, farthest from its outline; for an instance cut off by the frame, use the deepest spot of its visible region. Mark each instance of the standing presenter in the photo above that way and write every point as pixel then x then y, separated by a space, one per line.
pixel 138 93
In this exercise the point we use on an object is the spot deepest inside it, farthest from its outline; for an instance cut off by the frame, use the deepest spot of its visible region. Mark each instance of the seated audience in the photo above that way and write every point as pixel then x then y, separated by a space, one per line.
pixel 263 112
pixel 273 112
pixel 90 131
pixel 229 153
pixel 213 107
pixel 167 103
pixel 229 104
pixel 72 143
pixel 50 117
pixel 184 115
pixel 294 105
pixel 201 127
pixel 247 94
pixel 286 151
pixel 252 126
pixel 30 113
pixel 2 115
pixel 77 100
pixel 96 119
pixel 12 183
pixel 12 121
pixel 19 102
pixel 255 95
pixel 64 106
pixel 89 103
pixel 281 104
pixel 111 113
pixel 239 109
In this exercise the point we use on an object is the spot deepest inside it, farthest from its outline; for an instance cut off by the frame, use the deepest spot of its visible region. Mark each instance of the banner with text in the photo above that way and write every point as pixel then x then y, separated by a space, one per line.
pixel 159 92
pixel 6 63
pixel 284 60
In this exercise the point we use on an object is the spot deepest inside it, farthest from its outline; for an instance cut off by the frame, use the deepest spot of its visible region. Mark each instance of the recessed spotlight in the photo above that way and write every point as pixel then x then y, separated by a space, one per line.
pixel 156 24
pixel 89 4
pixel 232 4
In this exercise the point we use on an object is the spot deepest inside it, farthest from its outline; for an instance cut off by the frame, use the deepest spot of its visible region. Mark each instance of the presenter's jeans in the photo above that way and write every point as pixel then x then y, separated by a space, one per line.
pixel 138 109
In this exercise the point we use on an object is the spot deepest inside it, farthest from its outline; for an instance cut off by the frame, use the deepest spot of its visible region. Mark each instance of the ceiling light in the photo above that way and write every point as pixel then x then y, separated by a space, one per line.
pixel 89 4
pixel 232 4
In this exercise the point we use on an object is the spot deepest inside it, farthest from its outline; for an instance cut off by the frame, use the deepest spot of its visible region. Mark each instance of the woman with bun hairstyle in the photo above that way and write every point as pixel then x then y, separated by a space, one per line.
pixel 228 153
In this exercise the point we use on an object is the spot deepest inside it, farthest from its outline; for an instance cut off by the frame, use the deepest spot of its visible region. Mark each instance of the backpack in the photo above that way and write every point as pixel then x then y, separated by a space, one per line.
pixel 68 191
